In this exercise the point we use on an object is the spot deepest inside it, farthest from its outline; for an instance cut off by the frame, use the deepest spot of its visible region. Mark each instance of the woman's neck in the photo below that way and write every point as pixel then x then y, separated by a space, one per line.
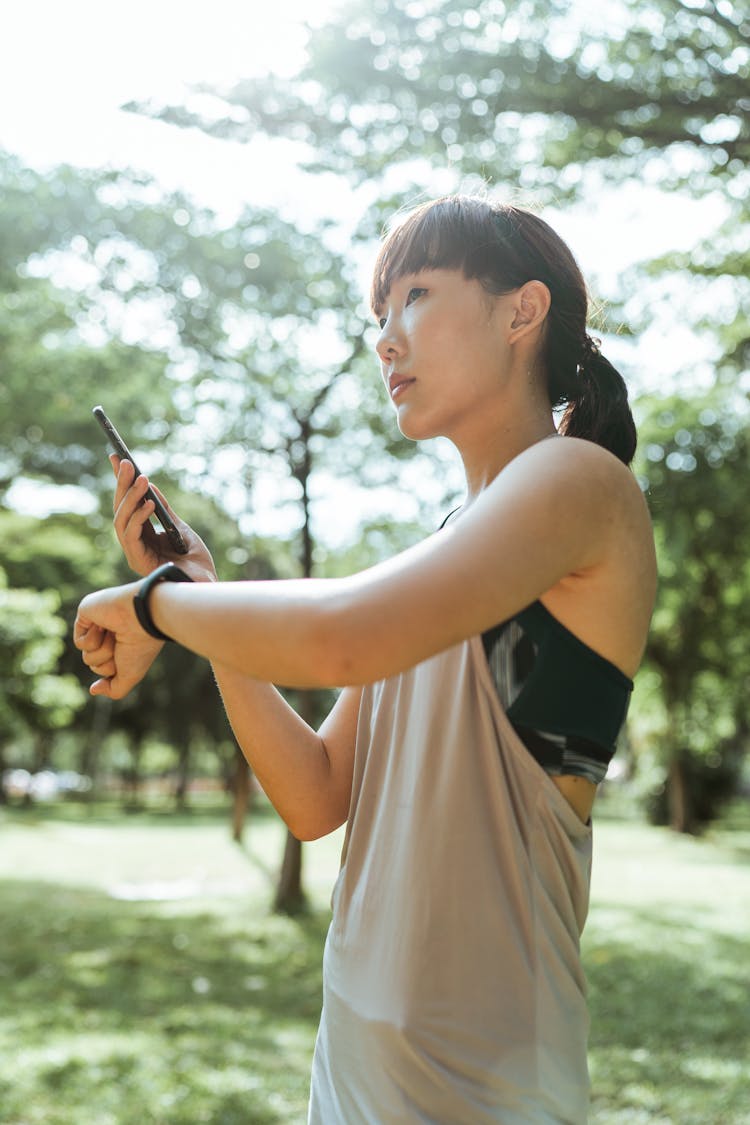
pixel 484 458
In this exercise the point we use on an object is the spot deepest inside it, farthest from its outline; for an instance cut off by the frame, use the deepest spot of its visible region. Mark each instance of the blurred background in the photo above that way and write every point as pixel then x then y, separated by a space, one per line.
pixel 191 200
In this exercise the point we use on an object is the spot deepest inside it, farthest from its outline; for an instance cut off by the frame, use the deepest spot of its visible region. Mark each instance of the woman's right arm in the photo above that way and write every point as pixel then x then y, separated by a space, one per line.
pixel 307 775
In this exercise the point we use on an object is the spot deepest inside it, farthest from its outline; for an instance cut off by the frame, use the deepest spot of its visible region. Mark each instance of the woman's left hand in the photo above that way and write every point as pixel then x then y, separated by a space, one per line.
pixel 112 643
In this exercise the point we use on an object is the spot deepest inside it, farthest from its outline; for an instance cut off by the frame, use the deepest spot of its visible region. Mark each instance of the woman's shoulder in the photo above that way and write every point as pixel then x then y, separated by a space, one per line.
pixel 609 604
pixel 576 456
pixel 569 472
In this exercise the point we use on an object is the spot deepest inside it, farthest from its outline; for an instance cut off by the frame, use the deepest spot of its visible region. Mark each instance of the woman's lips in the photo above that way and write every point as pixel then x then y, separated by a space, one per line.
pixel 397 384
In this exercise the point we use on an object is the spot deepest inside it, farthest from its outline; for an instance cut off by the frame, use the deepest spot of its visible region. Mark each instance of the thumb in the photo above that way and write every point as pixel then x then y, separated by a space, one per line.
pixel 101 687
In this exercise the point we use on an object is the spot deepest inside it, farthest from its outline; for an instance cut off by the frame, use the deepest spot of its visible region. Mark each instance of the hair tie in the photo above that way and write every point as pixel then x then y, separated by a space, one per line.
pixel 590 350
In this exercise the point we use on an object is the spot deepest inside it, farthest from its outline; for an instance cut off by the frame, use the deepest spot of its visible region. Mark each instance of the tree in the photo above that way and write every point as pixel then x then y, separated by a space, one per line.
pixel 535 90
pixel 52 372
pixel 64 555
pixel 694 462
pixel 35 700
pixel 236 353
pixel 559 101
pixel 551 98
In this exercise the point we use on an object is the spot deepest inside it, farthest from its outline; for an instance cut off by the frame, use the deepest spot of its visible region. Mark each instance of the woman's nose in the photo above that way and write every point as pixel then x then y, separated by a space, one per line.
pixel 389 343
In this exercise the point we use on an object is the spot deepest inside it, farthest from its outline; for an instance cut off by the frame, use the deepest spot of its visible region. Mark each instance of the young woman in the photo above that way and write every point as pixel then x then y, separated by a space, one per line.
pixel 486 674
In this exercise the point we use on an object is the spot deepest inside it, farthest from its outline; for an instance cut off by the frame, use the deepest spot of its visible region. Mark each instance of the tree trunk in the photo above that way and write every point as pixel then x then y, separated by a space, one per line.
pixel 40 752
pixel 241 792
pixel 88 763
pixel 678 796
pixel 290 898
pixel 183 775
pixel 132 777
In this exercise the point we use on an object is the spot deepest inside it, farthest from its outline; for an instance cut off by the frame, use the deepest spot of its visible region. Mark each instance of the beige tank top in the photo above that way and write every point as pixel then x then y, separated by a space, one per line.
pixel 453 988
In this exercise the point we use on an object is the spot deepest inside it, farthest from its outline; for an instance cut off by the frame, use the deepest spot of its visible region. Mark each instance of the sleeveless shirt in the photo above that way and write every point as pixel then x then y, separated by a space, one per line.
pixel 453 988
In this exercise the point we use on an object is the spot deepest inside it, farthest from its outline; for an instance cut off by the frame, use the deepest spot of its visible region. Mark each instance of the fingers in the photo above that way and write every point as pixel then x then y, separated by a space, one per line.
pixel 125 474
pixel 132 509
pixel 112 643
pixel 129 495
pixel 144 546
pixel 129 487
pixel 97 647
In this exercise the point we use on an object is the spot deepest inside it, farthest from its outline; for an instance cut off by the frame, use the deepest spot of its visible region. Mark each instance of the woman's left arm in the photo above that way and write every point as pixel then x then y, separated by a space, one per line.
pixel 551 512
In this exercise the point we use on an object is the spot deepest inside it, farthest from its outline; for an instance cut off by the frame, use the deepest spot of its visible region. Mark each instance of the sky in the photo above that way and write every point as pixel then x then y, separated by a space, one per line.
pixel 66 69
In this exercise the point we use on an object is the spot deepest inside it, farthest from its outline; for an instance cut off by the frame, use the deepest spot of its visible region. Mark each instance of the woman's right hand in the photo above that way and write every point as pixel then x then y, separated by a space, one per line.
pixel 144 547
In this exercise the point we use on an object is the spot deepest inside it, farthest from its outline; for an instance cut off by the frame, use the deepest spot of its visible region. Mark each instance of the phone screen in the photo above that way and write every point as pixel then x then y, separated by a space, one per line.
pixel 124 453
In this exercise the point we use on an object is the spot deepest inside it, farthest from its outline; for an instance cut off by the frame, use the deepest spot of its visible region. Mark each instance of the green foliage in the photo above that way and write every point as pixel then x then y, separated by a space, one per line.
pixel 30 645
pixel 55 357
pixel 556 100
pixel 238 356
pixel 694 460
pixel 211 348
pixel 547 99
pixel 534 89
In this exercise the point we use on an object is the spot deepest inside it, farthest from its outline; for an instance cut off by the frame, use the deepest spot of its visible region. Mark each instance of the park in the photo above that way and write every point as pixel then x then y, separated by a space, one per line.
pixel 145 976
pixel 191 247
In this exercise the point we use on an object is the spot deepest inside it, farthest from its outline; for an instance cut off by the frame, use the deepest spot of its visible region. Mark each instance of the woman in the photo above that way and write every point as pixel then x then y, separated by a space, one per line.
pixel 486 674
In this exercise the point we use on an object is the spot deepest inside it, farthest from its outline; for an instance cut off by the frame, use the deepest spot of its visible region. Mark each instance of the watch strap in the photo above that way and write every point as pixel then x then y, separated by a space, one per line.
pixel 166 573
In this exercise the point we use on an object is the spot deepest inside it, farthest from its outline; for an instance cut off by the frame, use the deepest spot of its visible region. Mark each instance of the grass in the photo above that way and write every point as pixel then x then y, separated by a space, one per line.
pixel 143 980
pixel 667 957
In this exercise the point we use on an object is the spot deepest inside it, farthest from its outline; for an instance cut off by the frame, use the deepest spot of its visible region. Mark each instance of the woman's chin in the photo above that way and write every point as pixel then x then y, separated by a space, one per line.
pixel 413 429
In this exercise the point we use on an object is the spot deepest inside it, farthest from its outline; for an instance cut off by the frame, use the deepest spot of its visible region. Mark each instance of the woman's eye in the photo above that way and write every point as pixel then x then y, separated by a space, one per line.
pixel 413 294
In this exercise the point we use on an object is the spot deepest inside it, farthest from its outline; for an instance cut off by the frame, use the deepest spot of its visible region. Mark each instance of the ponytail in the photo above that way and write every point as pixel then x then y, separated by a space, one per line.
pixel 597 407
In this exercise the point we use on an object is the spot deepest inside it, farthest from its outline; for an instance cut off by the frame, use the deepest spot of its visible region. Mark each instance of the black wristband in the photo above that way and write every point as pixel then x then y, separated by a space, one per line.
pixel 166 573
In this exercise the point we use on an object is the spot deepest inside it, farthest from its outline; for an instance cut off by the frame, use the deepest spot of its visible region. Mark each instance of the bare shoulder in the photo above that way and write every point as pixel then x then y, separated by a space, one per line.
pixel 613 487
pixel 609 602
pixel 576 480
pixel 573 471
pixel 577 462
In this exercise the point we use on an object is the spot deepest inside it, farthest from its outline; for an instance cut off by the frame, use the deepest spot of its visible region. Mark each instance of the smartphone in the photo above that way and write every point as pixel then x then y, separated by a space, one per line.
pixel 124 453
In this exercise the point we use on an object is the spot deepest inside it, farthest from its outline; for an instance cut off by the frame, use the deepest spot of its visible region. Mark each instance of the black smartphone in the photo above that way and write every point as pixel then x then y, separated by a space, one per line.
pixel 123 452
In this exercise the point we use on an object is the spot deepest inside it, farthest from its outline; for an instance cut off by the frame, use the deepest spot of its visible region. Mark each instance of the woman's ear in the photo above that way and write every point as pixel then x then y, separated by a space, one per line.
pixel 530 307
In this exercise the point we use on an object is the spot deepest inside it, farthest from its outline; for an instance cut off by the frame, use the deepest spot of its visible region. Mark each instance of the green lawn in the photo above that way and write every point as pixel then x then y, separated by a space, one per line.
pixel 667 955
pixel 144 982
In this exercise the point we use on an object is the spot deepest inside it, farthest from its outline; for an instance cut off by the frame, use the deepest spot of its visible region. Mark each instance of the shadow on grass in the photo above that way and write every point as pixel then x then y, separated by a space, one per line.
pixel 670 1037
pixel 113 813
pixel 126 1013
pixel 153 1017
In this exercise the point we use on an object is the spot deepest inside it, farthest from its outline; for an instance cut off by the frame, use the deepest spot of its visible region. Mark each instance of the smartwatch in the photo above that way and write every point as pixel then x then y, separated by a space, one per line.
pixel 166 573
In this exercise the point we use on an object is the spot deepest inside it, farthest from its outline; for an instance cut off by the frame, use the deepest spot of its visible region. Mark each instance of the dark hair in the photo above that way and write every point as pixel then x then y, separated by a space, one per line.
pixel 503 247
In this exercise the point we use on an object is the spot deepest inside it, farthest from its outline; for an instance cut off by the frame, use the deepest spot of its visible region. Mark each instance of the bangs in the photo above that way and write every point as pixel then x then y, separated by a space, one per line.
pixel 453 233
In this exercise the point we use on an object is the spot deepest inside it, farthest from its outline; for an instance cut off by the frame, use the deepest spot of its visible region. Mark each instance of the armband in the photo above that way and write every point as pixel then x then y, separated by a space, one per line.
pixel 166 573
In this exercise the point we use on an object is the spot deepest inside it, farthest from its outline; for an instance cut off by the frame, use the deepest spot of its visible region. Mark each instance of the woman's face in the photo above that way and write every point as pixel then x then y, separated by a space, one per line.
pixel 443 351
